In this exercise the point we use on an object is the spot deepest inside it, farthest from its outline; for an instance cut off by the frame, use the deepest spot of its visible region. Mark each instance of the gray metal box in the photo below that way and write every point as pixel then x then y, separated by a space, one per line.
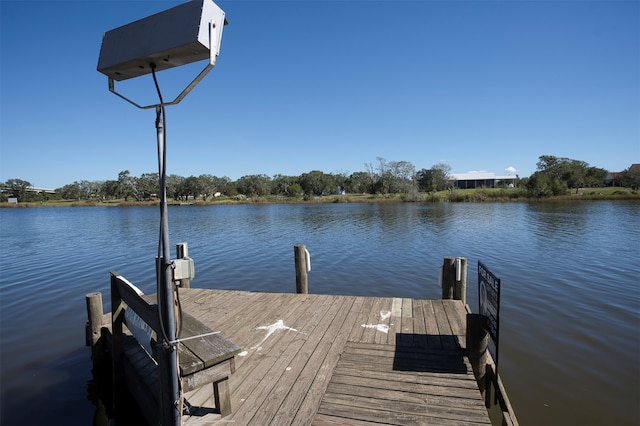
pixel 183 269
pixel 170 38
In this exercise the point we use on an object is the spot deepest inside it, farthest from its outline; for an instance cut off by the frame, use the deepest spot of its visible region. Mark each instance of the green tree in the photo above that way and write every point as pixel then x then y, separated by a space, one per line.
pixel 441 176
pixel 402 175
pixel 254 185
pixel 595 176
pixel 392 177
pixel 222 185
pixel 425 180
pixel 111 189
pixel 90 189
pixel 295 190
pixel 630 178
pixel 566 171
pixel 284 185
pixel 359 183
pixel 148 185
pixel 550 166
pixel 207 186
pixel 173 186
pixel 127 185
pixel 380 175
pixel 82 190
pixel 340 181
pixel 71 191
pixel 18 188
pixel 191 187
pixel 437 178
pixel 540 185
pixel 316 183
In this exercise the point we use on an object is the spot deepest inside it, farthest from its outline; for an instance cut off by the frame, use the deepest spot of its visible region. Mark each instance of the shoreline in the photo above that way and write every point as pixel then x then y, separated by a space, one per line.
pixel 458 196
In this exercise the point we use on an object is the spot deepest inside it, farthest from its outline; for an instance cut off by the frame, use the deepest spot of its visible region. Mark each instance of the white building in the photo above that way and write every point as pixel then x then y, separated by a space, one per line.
pixel 481 179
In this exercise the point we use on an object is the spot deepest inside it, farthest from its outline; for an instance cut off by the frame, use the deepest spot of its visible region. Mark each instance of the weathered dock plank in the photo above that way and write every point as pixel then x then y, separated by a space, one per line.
pixel 298 381
pixel 327 360
pixel 281 370
pixel 370 383
pixel 342 326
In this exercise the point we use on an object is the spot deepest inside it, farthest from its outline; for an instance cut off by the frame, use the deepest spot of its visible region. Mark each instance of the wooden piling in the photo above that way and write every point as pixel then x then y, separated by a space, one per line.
pixel 477 341
pixel 302 279
pixel 94 315
pixel 460 279
pixel 448 277
pixel 454 278
pixel 93 329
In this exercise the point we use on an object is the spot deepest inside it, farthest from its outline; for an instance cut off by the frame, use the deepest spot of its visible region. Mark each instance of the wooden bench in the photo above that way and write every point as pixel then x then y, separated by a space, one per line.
pixel 206 359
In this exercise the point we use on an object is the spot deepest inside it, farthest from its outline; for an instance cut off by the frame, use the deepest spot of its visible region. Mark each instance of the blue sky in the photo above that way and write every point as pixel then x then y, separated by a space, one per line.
pixel 328 85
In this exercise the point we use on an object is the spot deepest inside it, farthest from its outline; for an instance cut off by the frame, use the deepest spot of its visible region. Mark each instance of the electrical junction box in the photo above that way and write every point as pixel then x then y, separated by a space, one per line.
pixel 181 35
pixel 183 269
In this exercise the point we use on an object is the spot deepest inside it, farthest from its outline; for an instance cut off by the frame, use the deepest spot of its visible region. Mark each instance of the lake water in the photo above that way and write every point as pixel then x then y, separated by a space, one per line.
pixel 570 311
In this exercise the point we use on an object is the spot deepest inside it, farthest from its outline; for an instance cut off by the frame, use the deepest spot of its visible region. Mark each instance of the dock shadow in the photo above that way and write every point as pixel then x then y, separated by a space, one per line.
pixel 427 353
pixel 198 411
pixel 101 391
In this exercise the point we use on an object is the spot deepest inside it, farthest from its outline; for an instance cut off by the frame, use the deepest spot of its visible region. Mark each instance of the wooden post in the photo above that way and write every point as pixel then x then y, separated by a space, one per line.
pixel 460 277
pixel 477 342
pixel 117 316
pixel 448 277
pixel 488 384
pixel 302 279
pixel 182 252
pixel 94 314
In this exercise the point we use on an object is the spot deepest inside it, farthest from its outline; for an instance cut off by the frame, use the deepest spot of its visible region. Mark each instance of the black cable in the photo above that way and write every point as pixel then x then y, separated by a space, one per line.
pixel 162 173
pixel 161 115
pixel 179 330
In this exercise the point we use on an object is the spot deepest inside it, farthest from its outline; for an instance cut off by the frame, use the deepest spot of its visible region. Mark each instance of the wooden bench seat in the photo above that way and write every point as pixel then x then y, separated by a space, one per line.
pixel 203 360
pixel 207 359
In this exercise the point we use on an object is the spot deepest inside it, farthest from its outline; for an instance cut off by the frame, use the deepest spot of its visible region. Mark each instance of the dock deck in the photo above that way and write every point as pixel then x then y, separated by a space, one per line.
pixel 325 360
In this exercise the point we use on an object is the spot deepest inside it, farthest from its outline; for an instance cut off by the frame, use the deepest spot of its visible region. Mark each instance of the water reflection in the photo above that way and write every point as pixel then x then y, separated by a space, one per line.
pixel 570 305
pixel 436 217
pixel 558 220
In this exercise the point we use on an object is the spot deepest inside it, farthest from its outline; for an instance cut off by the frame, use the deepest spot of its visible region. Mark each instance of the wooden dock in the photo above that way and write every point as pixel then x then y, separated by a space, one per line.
pixel 326 360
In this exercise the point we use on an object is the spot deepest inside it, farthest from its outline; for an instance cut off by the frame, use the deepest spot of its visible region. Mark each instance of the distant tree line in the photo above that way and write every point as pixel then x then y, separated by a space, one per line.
pixel 554 176
pixel 557 175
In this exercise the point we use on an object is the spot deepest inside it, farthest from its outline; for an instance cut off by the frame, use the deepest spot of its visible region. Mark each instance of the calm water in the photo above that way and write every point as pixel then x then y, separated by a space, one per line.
pixel 570 313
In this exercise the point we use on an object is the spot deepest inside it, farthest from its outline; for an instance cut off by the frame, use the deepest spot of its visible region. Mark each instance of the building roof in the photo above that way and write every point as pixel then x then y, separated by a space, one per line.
pixel 482 175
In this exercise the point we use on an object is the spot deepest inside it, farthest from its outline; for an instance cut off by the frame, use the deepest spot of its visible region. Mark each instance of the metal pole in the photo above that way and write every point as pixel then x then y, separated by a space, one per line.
pixel 170 401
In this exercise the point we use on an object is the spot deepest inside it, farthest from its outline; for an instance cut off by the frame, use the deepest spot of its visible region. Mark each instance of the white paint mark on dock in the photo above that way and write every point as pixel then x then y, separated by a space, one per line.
pixel 278 325
pixel 243 353
pixel 379 327
pixel 384 315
